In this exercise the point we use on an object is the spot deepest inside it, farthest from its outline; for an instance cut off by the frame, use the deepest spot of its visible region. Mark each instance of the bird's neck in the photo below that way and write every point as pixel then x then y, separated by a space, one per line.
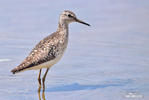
pixel 63 27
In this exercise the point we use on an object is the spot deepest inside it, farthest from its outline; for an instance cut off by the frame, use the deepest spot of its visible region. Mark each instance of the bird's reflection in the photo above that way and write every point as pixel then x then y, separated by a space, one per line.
pixel 43 92
pixel 43 85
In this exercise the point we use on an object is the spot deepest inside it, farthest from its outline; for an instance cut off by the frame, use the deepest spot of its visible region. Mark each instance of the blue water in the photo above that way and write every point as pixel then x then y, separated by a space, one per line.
pixel 107 61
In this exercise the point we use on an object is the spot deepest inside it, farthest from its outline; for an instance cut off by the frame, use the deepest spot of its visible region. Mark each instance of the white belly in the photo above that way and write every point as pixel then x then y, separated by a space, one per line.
pixel 47 64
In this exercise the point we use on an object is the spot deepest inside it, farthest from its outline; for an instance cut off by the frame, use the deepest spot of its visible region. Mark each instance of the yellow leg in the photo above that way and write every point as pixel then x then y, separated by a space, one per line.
pixel 39 81
pixel 43 79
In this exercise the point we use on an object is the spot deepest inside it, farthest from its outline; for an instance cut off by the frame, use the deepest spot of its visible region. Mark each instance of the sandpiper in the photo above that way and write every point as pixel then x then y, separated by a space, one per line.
pixel 49 50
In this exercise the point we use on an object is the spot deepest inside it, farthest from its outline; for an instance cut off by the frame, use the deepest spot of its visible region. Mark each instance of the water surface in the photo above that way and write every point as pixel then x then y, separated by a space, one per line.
pixel 107 61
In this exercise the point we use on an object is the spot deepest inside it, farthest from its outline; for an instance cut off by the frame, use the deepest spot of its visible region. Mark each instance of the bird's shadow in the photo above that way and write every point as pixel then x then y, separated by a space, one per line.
pixel 76 86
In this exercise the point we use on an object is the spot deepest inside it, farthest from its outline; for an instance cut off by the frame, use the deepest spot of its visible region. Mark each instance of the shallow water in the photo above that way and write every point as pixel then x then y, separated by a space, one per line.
pixel 107 61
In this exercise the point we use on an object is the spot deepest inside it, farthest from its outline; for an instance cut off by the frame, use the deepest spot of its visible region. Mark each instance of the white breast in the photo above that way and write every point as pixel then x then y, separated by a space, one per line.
pixel 47 64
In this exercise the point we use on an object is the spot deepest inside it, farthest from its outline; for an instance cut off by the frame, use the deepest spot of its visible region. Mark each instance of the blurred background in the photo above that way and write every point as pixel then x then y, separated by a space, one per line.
pixel 107 61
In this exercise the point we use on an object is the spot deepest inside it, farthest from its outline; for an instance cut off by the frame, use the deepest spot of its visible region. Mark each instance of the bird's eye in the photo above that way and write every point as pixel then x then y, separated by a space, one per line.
pixel 69 15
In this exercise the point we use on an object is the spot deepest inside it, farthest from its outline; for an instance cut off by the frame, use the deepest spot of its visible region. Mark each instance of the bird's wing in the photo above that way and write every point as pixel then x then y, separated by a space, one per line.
pixel 44 51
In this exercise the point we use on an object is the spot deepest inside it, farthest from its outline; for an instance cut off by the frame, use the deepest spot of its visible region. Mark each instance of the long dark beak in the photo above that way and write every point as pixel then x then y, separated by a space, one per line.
pixel 80 21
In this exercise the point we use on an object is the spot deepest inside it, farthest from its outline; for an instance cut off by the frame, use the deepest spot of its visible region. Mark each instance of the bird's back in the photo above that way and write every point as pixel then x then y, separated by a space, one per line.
pixel 46 50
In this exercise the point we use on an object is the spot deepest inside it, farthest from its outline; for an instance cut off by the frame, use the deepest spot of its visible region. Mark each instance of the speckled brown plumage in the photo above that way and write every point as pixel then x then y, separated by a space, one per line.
pixel 47 49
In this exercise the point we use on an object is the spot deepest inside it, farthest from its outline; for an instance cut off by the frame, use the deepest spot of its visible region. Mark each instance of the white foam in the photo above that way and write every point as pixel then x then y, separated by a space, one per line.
pixel 5 60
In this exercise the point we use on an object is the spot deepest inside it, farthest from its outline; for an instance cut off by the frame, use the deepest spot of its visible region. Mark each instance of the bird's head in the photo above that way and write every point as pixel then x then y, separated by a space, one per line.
pixel 69 17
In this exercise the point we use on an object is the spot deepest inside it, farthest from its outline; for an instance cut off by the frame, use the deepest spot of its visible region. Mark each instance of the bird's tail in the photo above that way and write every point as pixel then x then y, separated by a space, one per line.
pixel 22 67
pixel 17 70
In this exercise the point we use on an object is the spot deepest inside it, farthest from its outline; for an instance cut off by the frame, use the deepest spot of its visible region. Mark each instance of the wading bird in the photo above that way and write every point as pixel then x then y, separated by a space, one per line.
pixel 49 50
